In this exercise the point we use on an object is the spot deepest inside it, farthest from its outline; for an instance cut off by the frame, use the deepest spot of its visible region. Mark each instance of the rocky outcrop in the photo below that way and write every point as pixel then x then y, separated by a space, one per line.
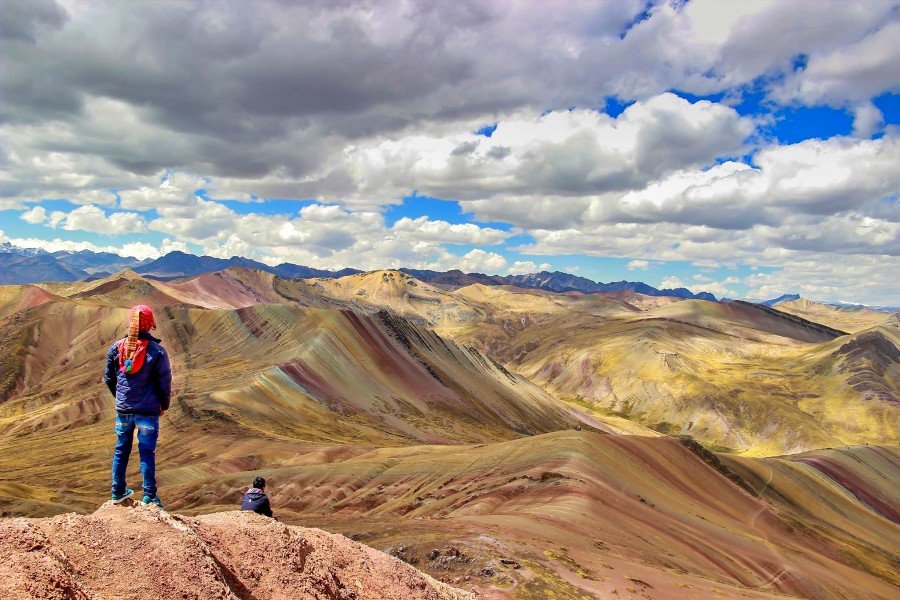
pixel 125 552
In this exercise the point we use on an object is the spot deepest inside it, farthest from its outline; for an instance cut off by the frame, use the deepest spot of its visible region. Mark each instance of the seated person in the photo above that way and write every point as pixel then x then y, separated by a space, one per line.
pixel 255 498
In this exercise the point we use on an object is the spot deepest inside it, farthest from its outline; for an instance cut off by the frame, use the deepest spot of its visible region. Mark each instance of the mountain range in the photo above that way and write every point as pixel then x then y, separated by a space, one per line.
pixel 25 265
pixel 34 265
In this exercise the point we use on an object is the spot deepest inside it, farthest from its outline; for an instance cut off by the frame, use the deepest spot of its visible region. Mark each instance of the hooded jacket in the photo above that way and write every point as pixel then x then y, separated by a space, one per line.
pixel 146 392
pixel 256 500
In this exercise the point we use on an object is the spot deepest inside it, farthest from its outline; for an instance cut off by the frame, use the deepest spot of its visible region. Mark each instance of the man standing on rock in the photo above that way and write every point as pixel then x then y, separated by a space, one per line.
pixel 139 376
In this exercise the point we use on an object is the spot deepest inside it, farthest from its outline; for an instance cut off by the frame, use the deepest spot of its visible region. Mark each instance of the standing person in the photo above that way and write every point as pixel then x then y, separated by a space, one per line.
pixel 255 498
pixel 139 376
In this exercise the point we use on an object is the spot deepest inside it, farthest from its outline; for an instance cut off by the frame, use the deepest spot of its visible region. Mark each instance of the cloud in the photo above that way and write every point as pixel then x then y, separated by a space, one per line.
pixel 24 21
pixel 524 267
pixel 327 236
pixel 569 153
pixel 703 283
pixel 35 215
pixel 836 279
pixel 425 229
pixel 195 97
pixel 867 119
pixel 850 73
pixel 638 265
pixel 479 261
pixel 87 218
pixel 671 282
pixel 823 196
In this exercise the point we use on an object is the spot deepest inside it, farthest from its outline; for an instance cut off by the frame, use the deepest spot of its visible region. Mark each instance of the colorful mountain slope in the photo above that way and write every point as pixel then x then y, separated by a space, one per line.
pixel 584 513
pixel 459 428
pixel 272 374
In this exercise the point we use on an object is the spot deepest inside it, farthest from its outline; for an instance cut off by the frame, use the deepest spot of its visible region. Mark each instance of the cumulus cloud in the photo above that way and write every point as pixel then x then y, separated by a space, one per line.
pixel 560 153
pixel 867 119
pixel 638 265
pixel 523 267
pixel 425 229
pixel 35 215
pixel 843 278
pixel 479 261
pixel 720 289
pixel 671 282
pixel 304 81
pixel 87 218
pixel 328 236
pixel 851 73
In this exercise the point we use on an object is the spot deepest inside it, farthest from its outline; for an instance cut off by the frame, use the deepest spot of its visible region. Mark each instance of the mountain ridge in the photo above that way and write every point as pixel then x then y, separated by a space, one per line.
pixel 85 264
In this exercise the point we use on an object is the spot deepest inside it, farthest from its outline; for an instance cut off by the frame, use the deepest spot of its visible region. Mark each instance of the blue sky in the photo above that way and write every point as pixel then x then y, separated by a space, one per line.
pixel 714 146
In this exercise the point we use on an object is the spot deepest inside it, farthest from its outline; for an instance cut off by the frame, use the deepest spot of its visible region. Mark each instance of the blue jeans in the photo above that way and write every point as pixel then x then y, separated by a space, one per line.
pixel 148 432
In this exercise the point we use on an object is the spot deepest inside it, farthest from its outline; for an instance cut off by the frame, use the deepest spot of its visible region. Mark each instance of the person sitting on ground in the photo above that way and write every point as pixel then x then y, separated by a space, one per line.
pixel 139 376
pixel 255 498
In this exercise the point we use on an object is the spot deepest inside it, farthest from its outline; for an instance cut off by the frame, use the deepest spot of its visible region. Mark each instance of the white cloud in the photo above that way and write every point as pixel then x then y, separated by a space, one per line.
pixel 713 22
pixel 87 218
pixel 867 119
pixel 479 261
pixel 11 204
pixel 568 153
pixel 837 279
pixel 425 229
pixel 719 289
pixel 35 215
pixel 638 265
pixel 102 197
pixel 327 236
pixel 524 267
pixel 850 73
pixel 91 218
pixel 671 282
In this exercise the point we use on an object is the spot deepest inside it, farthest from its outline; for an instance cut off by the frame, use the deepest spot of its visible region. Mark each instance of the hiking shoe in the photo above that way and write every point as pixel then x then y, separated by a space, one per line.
pixel 148 500
pixel 118 498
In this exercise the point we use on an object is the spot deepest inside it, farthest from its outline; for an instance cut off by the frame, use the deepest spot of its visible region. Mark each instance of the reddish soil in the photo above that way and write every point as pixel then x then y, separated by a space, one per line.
pixel 138 552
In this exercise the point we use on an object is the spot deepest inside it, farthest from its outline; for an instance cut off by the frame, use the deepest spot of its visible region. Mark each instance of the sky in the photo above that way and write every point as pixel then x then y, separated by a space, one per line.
pixel 745 148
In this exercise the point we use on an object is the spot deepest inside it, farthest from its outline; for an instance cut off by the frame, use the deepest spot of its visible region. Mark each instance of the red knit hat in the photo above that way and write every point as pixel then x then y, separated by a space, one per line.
pixel 146 320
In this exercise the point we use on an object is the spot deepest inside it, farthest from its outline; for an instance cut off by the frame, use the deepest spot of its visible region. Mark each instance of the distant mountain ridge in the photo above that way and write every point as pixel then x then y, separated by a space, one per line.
pixel 780 299
pixel 33 265
pixel 181 264
pixel 785 298
pixel 35 268
pixel 556 281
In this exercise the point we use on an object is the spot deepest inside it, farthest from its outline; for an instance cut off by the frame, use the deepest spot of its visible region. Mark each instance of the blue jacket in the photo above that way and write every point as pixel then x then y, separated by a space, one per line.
pixel 146 392
pixel 256 500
